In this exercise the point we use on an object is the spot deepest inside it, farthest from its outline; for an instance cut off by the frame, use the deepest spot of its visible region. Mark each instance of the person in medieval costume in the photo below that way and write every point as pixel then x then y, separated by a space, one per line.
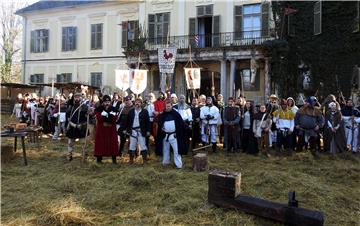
pixel 138 127
pixel 195 112
pixel 174 98
pixel 271 106
pixel 76 116
pixel 219 103
pixel 106 142
pixel 202 100
pixel 159 107
pixel 170 133
pixel 60 115
pixel 248 142
pixel 122 120
pixel 186 114
pixel 284 120
pixel 261 128
pixel 116 102
pixel 150 107
pixel 231 119
pixel 334 135
pixel 209 116
pixel 308 121
pixel 291 105
pixel 351 118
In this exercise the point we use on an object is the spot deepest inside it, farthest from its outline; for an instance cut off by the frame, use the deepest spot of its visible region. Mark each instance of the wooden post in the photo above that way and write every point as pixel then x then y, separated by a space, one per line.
pixel 200 162
pixel 224 191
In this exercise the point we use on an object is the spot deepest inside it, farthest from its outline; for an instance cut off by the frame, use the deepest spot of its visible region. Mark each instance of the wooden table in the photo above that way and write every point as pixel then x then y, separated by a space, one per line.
pixel 17 134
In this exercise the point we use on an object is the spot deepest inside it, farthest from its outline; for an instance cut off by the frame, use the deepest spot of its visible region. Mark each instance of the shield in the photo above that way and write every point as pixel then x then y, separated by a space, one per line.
pixel 138 81
pixel 122 79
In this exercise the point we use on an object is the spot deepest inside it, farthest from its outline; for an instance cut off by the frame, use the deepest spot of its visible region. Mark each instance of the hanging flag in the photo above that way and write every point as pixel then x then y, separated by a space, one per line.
pixel 122 79
pixel 289 11
pixel 193 78
pixel 138 81
pixel 166 57
pixel 197 39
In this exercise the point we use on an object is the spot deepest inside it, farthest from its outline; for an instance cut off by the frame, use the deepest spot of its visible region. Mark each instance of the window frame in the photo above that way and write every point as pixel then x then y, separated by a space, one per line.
pixel 96 36
pixel 94 81
pixel 39 78
pixel 68 38
pixel 39 41
pixel 156 24
pixel 255 33
pixel 68 77
pixel 319 14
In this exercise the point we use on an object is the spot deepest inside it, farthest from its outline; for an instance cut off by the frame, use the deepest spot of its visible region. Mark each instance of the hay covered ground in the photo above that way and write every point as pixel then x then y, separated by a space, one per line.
pixel 51 191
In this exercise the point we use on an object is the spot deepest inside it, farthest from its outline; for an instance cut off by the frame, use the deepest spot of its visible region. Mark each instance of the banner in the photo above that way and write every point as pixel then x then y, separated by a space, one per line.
pixel 193 78
pixel 122 79
pixel 138 81
pixel 166 57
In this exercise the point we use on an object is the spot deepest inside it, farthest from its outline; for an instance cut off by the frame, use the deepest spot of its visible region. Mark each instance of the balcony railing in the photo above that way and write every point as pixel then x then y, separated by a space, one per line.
pixel 227 39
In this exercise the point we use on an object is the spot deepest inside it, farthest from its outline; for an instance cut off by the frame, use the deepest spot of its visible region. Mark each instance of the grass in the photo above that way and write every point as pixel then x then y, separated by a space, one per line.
pixel 51 191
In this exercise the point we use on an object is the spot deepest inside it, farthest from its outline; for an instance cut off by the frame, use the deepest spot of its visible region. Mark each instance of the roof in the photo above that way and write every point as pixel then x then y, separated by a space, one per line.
pixel 51 4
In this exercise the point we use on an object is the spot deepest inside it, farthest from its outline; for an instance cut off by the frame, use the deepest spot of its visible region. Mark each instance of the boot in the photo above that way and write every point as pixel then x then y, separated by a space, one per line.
pixel 204 144
pixel 144 157
pixel 131 158
pixel 113 159
pixel 69 157
pixel 214 147
pixel 98 159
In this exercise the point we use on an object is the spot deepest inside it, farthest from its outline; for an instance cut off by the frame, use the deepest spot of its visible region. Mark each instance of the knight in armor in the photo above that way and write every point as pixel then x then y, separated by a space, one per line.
pixel 186 114
pixel 138 128
pixel 76 116
pixel 106 142
pixel 284 120
pixel 195 111
pixel 308 121
pixel 334 136
pixel 351 117
pixel 231 119
pixel 170 133
pixel 209 116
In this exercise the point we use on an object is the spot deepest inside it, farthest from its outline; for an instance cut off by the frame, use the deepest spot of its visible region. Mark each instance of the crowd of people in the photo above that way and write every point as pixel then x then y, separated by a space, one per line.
pixel 177 125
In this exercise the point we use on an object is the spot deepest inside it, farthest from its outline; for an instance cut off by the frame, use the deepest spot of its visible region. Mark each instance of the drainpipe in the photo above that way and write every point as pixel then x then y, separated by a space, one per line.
pixel 24 50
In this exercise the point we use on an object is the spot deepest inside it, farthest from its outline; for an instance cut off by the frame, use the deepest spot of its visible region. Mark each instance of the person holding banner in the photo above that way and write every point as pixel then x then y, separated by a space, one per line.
pixel 170 133
pixel 209 115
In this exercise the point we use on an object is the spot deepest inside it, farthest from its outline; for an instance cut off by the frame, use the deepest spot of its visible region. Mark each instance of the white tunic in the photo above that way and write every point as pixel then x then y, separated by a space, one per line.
pixel 212 111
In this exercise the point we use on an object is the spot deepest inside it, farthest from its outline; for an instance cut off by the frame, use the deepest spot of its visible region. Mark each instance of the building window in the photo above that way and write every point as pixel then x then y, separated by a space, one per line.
pixel 96 36
pixel 317 18
pixel 252 21
pixel 39 41
pixel 204 10
pixel 68 38
pixel 64 77
pixel 37 78
pixel 96 79
pixel 130 32
pixel 159 28
pixel 156 80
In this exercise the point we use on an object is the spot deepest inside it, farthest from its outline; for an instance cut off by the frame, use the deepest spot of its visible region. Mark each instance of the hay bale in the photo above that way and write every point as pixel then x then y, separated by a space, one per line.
pixel 7 153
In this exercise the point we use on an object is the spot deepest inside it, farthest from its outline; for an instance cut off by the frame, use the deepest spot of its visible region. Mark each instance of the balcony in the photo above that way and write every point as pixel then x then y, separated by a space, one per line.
pixel 220 40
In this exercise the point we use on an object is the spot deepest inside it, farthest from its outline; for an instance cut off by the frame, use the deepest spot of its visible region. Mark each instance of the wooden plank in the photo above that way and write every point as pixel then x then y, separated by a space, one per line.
pixel 224 191
pixel 200 162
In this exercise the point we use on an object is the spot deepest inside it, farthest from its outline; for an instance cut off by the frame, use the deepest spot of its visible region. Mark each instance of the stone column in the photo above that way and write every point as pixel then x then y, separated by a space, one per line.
pixel 232 77
pixel 223 79
pixel 267 79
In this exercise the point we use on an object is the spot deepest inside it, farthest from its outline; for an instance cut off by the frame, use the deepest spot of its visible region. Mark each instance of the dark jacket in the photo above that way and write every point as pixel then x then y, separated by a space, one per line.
pixel 144 121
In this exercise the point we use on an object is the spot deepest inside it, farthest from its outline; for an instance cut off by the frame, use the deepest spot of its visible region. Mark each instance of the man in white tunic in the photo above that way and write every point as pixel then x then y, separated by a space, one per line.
pixel 210 116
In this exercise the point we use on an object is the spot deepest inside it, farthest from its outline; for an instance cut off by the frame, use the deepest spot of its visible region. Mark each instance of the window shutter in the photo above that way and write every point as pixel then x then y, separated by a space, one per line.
pixel 151 28
pixel 46 40
pixel 69 77
pixel 317 18
pixel 265 19
pixel 32 78
pixel 200 11
pixel 124 37
pixel 137 30
pixel 63 40
pixel 357 18
pixel 166 23
pixel 216 31
pixel 32 42
pixel 238 21
pixel 100 38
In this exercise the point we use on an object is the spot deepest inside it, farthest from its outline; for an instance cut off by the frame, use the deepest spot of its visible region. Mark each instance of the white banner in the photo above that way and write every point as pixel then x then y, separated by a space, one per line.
pixel 138 81
pixel 166 57
pixel 193 78
pixel 122 79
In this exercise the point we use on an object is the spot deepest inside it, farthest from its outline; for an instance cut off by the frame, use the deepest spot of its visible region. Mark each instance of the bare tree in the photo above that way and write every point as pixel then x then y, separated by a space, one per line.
pixel 10 42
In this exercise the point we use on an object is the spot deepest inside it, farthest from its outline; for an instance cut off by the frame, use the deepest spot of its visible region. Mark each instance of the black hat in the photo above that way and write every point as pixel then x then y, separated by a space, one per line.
pixel 106 98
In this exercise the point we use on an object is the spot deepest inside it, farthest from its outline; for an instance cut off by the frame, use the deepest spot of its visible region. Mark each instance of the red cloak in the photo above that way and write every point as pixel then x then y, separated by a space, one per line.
pixel 106 140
